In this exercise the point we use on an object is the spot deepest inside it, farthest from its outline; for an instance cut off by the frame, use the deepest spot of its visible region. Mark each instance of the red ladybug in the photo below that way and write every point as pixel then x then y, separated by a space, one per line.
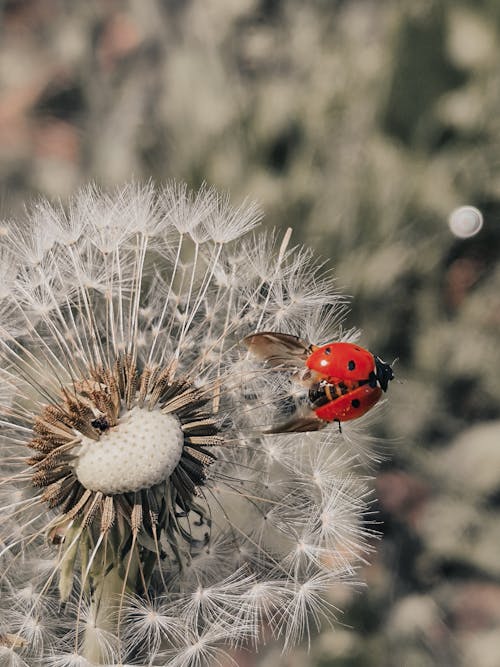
pixel 344 379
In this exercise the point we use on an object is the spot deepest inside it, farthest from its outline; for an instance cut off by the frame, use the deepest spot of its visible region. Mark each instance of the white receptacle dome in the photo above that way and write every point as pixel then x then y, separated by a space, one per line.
pixel 141 451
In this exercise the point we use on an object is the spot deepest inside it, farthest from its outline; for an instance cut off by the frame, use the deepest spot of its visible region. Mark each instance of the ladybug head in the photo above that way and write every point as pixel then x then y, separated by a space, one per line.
pixel 384 373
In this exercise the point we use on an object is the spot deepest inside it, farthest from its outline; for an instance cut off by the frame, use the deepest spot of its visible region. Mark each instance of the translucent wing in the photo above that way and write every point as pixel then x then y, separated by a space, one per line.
pixel 299 423
pixel 279 350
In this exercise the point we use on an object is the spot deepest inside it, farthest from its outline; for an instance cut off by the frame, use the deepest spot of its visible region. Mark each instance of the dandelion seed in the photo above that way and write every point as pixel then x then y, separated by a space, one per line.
pixel 306 606
pixel 68 660
pixel 201 648
pixel 8 655
pixel 151 623
pixel 145 517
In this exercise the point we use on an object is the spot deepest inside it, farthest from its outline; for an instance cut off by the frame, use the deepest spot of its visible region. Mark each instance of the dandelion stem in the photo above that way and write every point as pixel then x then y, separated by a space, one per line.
pixel 102 618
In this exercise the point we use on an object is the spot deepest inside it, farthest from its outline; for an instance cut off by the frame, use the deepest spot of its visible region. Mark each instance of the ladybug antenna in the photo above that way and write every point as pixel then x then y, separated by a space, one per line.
pixel 384 373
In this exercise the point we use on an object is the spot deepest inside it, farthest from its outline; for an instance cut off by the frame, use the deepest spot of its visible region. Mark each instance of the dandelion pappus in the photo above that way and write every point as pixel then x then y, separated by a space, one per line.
pixel 344 379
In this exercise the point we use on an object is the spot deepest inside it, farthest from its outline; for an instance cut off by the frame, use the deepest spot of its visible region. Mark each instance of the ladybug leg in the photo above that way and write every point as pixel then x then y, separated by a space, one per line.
pixel 340 426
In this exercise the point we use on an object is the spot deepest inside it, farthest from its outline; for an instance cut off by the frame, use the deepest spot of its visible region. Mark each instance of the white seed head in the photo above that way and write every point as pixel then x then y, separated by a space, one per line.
pixel 465 221
pixel 141 451
pixel 150 475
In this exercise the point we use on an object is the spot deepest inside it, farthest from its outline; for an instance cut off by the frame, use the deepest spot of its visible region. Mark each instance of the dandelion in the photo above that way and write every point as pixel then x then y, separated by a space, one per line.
pixel 146 516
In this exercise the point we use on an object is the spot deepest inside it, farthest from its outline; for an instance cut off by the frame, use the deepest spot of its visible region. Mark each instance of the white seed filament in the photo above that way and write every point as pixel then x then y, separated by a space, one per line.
pixel 141 451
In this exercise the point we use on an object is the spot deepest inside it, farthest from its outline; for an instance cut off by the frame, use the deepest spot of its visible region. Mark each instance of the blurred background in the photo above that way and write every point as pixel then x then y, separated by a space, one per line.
pixel 362 124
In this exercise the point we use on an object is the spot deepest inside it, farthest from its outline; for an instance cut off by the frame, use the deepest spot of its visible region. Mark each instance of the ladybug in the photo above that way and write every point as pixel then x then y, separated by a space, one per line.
pixel 344 379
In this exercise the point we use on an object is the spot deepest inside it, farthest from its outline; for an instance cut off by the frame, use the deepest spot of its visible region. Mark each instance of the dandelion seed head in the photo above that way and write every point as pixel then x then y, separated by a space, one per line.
pixel 146 518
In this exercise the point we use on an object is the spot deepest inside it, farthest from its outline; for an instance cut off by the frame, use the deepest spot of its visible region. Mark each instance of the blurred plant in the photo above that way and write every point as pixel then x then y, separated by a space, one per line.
pixel 153 522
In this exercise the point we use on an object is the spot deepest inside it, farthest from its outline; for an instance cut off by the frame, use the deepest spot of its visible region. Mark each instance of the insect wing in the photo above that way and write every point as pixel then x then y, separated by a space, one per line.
pixel 300 423
pixel 278 350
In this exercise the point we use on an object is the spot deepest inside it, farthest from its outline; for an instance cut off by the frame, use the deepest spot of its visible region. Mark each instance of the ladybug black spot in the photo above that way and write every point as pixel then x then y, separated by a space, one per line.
pixel 351 365
pixel 355 403
pixel 328 350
